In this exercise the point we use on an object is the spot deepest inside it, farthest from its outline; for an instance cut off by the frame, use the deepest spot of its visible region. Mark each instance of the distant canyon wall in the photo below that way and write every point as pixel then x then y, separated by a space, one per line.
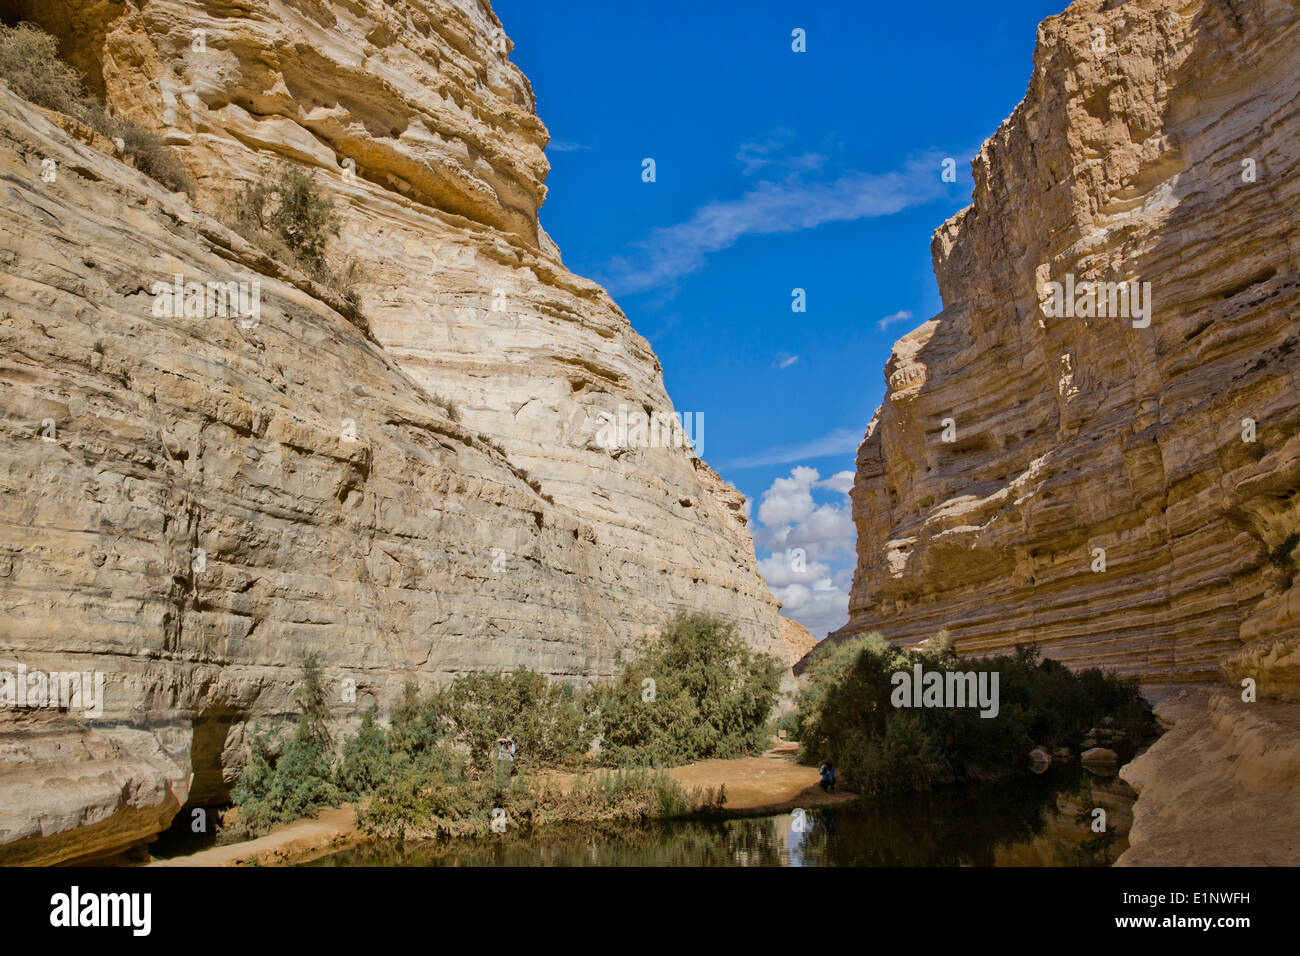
pixel 1016 446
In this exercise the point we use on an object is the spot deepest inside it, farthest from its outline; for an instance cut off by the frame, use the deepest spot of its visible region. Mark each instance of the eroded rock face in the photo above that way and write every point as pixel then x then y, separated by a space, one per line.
pixel 218 497
pixel 1158 142
pixel 1121 489
pixel 1219 787
pixel 797 639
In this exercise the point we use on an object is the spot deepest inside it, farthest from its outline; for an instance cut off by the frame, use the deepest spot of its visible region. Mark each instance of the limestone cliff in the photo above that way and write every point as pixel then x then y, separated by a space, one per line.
pixel 1120 488
pixel 1158 142
pixel 191 504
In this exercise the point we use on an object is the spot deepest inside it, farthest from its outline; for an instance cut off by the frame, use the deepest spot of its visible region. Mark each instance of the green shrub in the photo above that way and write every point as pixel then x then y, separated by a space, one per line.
pixel 434 771
pixel 431 792
pixel 367 758
pixel 426 804
pixel 711 698
pixel 789 722
pixel 291 211
pixel 151 156
pixel 280 787
pixel 290 219
pixel 285 781
pixel 629 795
pixel 29 61
pixel 547 722
pixel 846 715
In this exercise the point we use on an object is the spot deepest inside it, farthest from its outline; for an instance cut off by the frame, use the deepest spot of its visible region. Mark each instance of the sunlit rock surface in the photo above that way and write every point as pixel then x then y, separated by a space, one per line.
pixel 1120 489
pixel 216 500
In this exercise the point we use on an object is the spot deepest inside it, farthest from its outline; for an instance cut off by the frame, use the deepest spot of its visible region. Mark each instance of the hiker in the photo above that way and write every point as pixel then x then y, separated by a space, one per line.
pixel 506 749
pixel 827 782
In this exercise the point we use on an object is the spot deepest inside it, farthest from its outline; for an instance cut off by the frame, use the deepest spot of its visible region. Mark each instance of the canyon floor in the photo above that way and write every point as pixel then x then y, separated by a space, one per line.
pixel 769 783
pixel 1205 793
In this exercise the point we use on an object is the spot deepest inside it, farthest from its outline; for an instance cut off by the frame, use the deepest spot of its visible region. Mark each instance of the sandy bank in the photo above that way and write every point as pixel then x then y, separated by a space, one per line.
pixel 329 830
pixel 770 783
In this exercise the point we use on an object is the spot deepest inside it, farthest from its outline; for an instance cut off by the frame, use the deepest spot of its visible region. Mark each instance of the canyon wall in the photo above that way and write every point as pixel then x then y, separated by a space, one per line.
pixel 1090 482
pixel 415 489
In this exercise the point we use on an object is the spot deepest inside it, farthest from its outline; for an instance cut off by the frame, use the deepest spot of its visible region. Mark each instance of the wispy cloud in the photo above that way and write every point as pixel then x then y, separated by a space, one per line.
pixel 772 152
pixel 564 146
pixel 787 362
pixel 672 252
pixel 839 442
pixel 902 315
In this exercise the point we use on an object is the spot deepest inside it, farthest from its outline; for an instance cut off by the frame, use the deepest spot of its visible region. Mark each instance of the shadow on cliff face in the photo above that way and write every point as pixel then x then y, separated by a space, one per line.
pixel 1228 285
pixel 195 826
pixel 208 784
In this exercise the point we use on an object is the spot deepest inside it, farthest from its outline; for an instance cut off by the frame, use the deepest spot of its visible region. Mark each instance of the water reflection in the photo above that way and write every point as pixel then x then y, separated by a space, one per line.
pixel 1031 822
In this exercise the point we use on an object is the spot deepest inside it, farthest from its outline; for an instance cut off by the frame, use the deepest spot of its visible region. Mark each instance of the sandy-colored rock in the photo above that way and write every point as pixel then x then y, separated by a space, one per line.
pixel 1100 760
pixel 1158 142
pixel 798 640
pixel 220 497
pixel 1219 787
pixel 1040 760
pixel 1072 434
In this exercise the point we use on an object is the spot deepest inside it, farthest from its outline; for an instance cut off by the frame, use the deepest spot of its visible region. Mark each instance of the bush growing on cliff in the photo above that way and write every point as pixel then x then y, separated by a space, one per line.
pixel 846 715
pixel 151 156
pixel 290 218
pixel 289 213
pixel 29 61
pixel 698 692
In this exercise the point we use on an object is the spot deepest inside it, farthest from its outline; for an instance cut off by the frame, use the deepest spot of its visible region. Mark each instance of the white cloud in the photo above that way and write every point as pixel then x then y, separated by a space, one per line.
pixel 828 532
pixel 821 611
pixel 671 252
pixel 754 156
pixel 773 152
pixel 841 481
pixel 783 568
pixel 788 499
pixel 787 362
pixel 564 146
pixel 902 315
pixel 811 556
pixel 839 442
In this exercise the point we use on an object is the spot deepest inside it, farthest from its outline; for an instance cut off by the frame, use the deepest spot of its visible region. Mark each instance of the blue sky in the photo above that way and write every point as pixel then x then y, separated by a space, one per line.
pixel 775 170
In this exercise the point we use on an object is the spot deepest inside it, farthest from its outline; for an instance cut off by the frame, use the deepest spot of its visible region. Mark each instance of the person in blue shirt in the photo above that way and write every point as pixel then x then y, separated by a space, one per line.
pixel 827 782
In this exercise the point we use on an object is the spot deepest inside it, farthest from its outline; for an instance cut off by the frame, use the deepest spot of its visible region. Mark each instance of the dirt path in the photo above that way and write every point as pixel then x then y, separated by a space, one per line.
pixel 771 782
pixel 329 830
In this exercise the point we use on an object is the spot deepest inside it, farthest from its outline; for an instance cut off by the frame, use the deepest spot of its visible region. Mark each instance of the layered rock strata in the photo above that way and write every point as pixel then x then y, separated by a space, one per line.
pixel 414 489
pixel 1119 488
